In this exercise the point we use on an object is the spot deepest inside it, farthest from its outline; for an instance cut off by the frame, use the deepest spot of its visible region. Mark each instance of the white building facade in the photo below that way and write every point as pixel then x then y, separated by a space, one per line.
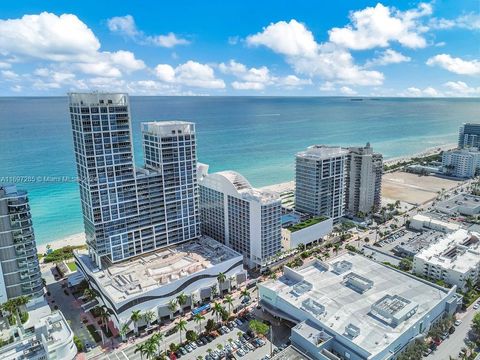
pixel 291 237
pixel 462 163
pixel 320 173
pixel 244 218
pixel 453 259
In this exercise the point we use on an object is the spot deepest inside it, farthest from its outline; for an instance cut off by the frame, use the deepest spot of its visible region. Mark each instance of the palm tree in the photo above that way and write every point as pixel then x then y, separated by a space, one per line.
pixel 229 301
pixel 221 278
pixel 89 294
pixel 135 317
pixel 141 349
pixel 214 291
pixel 151 348
pixel 217 310
pixel 181 326
pixel 244 294
pixel 198 318
pixel 149 316
pixel 20 302
pixel 124 330
pixel 193 299
pixel 104 316
pixel 220 347
pixel 239 335
pixel 11 307
pixel 159 337
pixel 182 300
pixel 172 306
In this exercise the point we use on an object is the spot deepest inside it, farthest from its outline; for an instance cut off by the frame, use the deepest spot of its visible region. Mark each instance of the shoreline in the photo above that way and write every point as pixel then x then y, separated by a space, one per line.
pixel 287 186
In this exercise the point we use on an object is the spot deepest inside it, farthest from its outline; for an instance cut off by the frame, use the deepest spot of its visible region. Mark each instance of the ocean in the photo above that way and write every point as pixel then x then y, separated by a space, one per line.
pixel 256 136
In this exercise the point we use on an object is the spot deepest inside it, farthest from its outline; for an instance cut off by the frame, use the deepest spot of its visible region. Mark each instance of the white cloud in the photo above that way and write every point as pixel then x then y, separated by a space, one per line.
pixel 127 60
pixel 258 78
pixel 378 26
pixel 388 56
pixel 247 85
pixel 459 88
pixel 347 91
pixel 125 25
pixel 10 75
pixel 469 21
pixel 5 65
pixel 190 73
pixel 291 39
pixel 64 39
pixel 49 37
pixel 307 57
pixel 170 40
pixel 426 92
pixel 455 65
pixel 327 86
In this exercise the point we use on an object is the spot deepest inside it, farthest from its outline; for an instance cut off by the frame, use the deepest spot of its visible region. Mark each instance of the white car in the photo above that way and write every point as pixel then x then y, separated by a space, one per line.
pixel 476 306
pixel 458 322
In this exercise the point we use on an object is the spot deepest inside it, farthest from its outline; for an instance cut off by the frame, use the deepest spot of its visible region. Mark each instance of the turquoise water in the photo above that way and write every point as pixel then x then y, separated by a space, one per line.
pixel 256 136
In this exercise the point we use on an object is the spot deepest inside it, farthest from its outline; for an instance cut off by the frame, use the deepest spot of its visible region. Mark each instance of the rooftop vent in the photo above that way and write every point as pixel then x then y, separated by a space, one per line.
pixel 313 307
pixel 352 330
pixel 341 267
pixel 301 288
pixel 357 282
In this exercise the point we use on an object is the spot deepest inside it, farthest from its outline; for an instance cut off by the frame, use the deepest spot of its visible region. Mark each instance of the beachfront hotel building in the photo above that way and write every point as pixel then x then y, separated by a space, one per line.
pixel 244 218
pixel 320 173
pixel 355 308
pixel 463 163
pixel 469 136
pixel 363 182
pixel 19 268
pixel 453 259
pixel 142 223
pixel 129 210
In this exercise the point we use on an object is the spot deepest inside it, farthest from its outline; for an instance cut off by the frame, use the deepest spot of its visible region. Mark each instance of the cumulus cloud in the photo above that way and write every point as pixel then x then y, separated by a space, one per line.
pixel 125 25
pixel 455 65
pixel 459 88
pixel 378 26
pixel 9 75
pixel 469 21
pixel 190 73
pixel 347 91
pixel 417 92
pixel 386 57
pixel 328 61
pixel 63 39
pixel 258 78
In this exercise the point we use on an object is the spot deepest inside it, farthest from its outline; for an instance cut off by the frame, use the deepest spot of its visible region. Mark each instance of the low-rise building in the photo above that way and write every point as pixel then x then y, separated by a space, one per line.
pixel 236 214
pixel 453 259
pixel 305 232
pixel 150 282
pixel 427 221
pixel 50 339
pixel 355 308
pixel 463 204
pixel 463 163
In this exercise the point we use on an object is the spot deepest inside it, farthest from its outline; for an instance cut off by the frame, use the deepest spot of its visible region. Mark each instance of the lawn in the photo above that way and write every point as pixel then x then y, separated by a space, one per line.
pixel 307 223
pixel 72 266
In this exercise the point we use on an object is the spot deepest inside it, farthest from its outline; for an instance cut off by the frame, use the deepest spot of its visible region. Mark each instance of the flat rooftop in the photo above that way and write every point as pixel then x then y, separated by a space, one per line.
pixel 462 200
pixel 459 251
pixel 139 275
pixel 409 242
pixel 344 294
pixel 168 128
pixel 290 353
pixel 321 152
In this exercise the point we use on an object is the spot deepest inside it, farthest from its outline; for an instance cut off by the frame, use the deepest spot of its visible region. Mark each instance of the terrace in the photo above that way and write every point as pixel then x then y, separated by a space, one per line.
pixel 307 223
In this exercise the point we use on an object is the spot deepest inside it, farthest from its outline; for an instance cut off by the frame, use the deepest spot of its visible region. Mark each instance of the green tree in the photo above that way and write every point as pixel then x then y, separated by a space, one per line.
pixel 140 348
pixel 104 315
pixel 89 294
pixel 172 306
pixel 217 310
pixel 405 264
pixel 182 300
pixel 221 278
pixel 301 247
pixel 181 326
pixel 210 326
pixel 124 330
pixel 229 301
pixel 198 318
pixel 135 317
pixel 149 317
pixel 150 348
pixel 258 327
pixel 245 294
pixel 214 291
pixel 476 324
pixel 191 335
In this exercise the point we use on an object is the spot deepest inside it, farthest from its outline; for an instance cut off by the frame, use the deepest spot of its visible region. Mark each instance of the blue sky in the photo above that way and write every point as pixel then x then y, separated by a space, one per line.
pixel 320 48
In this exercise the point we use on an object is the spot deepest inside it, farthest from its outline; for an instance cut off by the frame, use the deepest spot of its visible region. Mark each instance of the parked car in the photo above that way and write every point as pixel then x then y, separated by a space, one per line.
pixel 250 346
pixel 458 322
pixel 193 345
pixel 183 351
pixel 476 306
pixel 210 338
pixel 444 336
pixel 451 330
pixel 239 322
pixel 240 352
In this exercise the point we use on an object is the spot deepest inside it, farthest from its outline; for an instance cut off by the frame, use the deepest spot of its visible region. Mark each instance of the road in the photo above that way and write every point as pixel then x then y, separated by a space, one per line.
pixel 455 342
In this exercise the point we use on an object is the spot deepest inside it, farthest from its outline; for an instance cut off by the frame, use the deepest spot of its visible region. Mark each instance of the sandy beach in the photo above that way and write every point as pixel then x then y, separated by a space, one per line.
pixel 73 240
pixel 426 152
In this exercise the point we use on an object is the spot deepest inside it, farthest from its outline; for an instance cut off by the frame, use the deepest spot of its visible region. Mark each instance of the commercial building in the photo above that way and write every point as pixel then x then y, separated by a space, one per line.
pixel 354 308
pixel 462 163
pixel 244 218
pixel 429 221
pixel 363 183
pixel 469 136
pixel 320 173
pixel 127 210
pixel 50 339
pixel 19 269
pixel 463 204
pixel 453 258
pixel 304 230
pixel 150 282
